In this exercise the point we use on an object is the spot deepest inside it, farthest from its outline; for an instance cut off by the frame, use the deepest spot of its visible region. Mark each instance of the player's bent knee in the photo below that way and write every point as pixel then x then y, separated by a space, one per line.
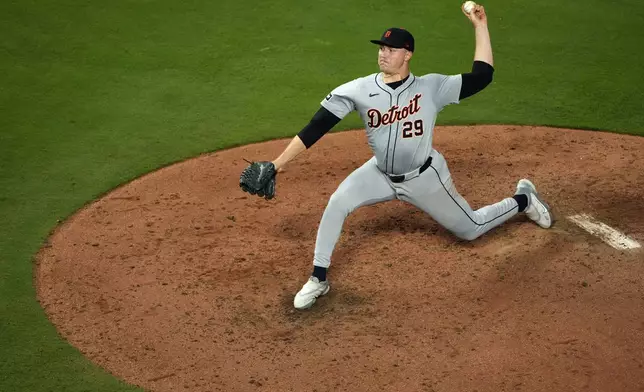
pixel 340 201
pixel 468 235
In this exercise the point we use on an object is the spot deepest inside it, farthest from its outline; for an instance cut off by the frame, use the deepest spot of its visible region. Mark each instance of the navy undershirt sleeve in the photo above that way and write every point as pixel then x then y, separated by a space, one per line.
pixel 320 124
pixel 476 80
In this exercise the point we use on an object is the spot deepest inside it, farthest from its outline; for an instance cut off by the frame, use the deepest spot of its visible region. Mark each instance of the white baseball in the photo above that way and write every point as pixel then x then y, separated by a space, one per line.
pixel 469 6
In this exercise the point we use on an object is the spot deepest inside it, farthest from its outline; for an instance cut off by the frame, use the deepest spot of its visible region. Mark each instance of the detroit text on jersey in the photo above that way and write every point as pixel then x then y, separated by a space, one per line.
pixel 394 114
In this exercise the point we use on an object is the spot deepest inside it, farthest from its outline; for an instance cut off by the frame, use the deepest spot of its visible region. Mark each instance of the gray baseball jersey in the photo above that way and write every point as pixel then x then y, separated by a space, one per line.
pixel 399 122
pixel 400 125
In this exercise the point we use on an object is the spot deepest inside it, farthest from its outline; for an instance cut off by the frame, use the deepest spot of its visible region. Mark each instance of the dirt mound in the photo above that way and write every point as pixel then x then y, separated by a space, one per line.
pixel 180 281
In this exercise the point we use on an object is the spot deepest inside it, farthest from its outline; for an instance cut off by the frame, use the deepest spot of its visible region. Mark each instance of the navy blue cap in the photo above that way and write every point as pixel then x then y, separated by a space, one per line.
pixel 396 37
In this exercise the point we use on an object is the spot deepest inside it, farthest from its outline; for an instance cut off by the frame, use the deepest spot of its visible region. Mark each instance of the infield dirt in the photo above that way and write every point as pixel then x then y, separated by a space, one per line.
pixel 180 281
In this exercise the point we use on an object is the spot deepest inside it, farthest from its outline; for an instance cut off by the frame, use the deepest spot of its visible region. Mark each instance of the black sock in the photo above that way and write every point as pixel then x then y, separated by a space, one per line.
pixel 320 273
pixel 522 201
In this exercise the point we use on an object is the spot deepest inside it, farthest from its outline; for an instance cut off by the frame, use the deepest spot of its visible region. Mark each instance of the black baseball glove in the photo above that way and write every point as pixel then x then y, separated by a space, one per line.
pixel 259 179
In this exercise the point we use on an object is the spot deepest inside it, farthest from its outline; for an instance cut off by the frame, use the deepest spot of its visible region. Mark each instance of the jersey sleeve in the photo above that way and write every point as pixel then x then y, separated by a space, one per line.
pixel 445 89
pixel 340 101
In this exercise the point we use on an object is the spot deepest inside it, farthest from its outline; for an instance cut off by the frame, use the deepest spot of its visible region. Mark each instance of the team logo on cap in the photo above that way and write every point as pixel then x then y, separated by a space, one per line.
pixel 388 33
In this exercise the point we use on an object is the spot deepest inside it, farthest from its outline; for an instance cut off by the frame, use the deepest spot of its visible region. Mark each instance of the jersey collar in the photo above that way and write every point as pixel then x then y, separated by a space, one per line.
pixel 380 81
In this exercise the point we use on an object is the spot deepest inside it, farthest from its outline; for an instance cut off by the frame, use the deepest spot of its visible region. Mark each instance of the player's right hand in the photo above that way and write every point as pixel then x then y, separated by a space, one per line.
pixel 477 16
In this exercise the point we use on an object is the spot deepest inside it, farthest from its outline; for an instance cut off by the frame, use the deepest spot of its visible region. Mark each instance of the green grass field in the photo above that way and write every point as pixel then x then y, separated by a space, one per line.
pixel 94 94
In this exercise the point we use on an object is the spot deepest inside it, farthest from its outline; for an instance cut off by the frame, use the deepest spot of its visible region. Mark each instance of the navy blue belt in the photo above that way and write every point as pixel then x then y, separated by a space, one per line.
pixel 412 174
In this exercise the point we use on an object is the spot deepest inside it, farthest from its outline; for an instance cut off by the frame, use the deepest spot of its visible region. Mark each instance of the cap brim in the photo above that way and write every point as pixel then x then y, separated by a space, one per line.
pixel 379 42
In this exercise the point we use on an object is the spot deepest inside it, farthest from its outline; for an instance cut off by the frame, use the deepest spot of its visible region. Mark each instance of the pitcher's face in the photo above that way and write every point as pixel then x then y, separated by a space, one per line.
pixel 391 60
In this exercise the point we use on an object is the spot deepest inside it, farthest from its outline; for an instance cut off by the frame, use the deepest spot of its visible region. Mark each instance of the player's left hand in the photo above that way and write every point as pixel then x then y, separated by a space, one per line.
pixel 259 179
pixel 477 16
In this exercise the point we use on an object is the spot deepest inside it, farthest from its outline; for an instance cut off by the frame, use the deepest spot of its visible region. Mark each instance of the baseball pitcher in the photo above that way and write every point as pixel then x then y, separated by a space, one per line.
pixel 399 111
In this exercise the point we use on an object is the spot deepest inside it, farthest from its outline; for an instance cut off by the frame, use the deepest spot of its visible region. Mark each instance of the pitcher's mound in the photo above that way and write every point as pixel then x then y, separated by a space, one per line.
pixel 180 281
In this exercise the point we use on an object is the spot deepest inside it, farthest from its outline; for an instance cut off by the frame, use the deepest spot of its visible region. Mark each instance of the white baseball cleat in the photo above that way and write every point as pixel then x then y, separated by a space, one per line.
pixel 311 290
pixel 537 209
